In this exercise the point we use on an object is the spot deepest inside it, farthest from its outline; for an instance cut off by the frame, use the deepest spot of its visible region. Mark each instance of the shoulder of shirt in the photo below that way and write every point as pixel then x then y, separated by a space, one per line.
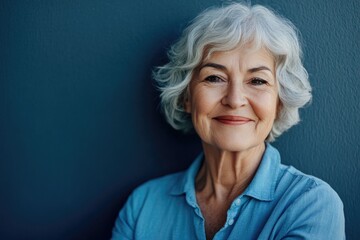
pixel 306 184
pixel 160 185
pixel 297 175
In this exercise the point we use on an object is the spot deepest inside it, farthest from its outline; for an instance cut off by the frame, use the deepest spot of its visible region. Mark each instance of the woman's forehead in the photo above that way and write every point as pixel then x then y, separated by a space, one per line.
pixel 246 52
pixel 248 46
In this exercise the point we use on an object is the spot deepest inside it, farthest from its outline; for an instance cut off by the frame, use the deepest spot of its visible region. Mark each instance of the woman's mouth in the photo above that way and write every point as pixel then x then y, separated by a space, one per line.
pixel 233 120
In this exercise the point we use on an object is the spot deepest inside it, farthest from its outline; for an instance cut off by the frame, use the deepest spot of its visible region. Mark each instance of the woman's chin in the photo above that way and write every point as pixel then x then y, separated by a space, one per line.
pixel 235 145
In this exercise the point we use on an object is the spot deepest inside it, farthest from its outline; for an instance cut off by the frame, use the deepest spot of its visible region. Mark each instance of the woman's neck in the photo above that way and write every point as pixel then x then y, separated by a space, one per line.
pixel 225 175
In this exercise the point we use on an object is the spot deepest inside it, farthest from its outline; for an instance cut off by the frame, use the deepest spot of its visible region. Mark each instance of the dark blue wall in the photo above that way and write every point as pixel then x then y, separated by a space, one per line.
pixel 79 120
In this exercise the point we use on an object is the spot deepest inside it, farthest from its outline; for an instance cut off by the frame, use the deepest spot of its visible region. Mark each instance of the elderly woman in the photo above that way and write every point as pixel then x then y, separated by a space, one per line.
pixel 235 77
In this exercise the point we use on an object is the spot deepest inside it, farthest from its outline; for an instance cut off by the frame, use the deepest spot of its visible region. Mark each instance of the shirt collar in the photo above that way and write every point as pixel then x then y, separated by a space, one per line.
pixel 186 183
pixel 262 187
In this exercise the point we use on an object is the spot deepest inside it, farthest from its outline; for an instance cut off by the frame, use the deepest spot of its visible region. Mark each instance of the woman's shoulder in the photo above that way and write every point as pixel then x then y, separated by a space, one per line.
pixel 145 203
pixel 307 188
pixel 310 207
pixel 160 185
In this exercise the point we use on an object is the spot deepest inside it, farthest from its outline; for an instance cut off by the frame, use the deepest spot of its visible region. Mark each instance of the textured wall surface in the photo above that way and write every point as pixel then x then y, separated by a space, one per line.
pixel 79 120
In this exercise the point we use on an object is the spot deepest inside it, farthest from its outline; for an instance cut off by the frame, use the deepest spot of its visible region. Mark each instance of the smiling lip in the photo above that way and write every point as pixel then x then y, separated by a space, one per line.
pixel 233 120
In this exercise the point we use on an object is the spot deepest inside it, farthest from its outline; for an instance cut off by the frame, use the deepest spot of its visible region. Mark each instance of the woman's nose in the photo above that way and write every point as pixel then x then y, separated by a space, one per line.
pixel 235 96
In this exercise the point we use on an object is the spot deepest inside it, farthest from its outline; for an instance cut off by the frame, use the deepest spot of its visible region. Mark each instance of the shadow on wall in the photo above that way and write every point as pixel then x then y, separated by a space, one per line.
pixel 178 153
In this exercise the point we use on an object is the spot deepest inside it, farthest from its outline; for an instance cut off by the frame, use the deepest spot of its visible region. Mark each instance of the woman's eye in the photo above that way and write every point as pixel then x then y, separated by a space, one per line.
pixel 258 81
pixel 213 79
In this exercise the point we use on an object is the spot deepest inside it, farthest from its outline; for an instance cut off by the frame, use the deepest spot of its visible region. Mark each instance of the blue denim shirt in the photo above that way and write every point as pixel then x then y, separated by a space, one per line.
pixel 280 203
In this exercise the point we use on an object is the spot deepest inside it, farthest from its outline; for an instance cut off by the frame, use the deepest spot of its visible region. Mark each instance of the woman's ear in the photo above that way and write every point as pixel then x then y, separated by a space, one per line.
pixel 187 101
pixel 278 108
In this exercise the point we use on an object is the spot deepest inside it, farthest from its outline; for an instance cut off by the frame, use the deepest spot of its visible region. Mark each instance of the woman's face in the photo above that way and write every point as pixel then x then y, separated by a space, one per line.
pixel 233 98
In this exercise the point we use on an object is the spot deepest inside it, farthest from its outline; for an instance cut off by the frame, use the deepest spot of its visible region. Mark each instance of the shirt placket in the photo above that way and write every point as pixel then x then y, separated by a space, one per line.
pixel 199 221
pixel 232 215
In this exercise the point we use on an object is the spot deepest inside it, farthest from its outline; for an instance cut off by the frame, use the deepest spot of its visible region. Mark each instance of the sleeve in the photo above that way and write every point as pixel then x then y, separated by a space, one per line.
pixel 125 222
pixel 316 214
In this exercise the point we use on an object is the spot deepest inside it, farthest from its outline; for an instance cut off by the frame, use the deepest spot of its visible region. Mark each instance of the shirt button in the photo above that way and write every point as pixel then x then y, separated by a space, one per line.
pixel 231 221
pixel 237 202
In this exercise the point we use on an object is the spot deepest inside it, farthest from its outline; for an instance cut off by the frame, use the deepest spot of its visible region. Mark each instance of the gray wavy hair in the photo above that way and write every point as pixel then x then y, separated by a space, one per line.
pixel 223 29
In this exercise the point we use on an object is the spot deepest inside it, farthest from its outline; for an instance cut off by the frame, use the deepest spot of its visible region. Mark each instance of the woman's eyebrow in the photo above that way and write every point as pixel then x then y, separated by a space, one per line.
pixel 213 65
pixel 260 68
pixel 222 67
